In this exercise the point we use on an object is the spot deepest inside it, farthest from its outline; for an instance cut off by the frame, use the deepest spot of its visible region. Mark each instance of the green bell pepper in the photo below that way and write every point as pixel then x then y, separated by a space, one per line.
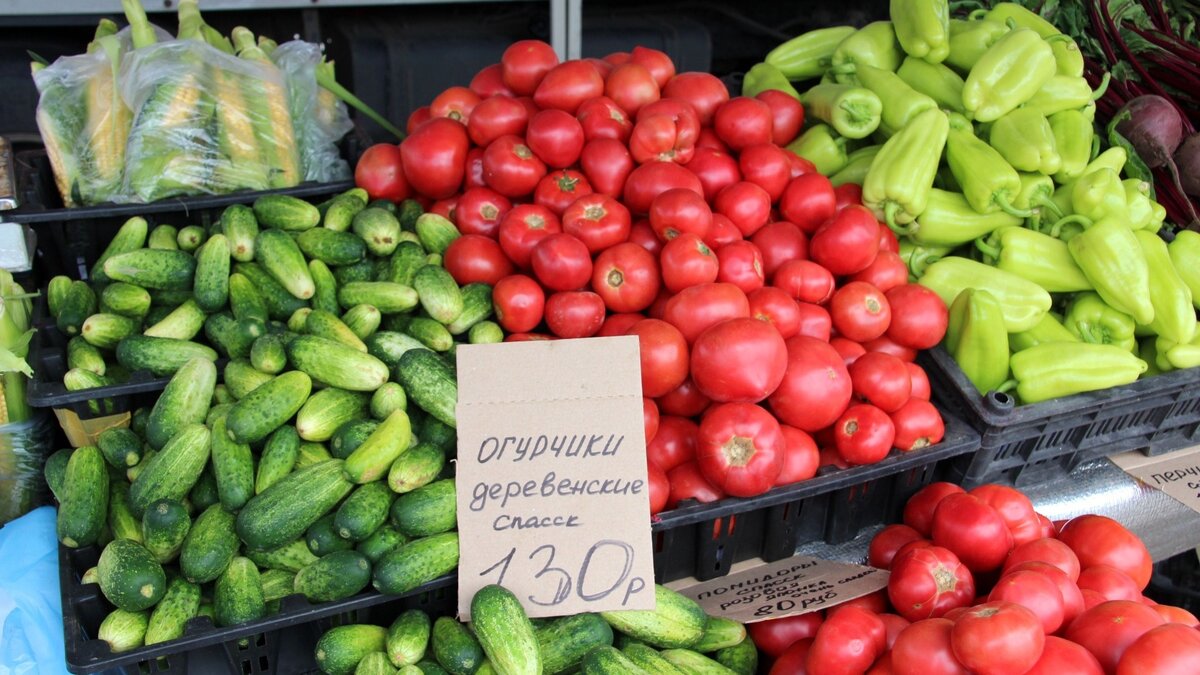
pixel 1113 158
pixel 1068 60
pixel 1185 252
pixel 1036 257
pixel 1065 92
pixel 1047 331
pixel 1112 260
pixel 1053 370
pixel 1073 135
pixel 763 77
pixel 1008 74
pixel 1091 320
pixel 1138 204
pixel 897 186
pixel 989 183
pixel 873 45
pixel 1099 194
pixel 934 80
pixel 970 40
pixel 922 28
pixel 918 258
pixel 1024 302
pixel 821 146
pixel 809 55
pixel 901 103
pixel 1026 141
pixel 948 220
pixel 852 111
pixel 1174 315
pixel 858 163
pixel 977 339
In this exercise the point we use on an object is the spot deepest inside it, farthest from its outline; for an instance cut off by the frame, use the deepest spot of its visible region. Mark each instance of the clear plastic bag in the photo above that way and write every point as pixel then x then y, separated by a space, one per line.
pixel 23 450
pixel 319 117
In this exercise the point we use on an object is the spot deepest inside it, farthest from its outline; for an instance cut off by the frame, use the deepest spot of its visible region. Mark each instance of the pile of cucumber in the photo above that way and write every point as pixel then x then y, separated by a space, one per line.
pixel 316 461
pixel 677 638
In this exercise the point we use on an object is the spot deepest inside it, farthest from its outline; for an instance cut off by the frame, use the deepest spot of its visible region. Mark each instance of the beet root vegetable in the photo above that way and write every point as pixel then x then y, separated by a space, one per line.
pixel 1153 125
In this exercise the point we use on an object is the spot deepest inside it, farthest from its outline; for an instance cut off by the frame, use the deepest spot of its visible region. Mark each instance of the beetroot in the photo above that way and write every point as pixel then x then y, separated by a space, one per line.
pixel 1187 158
pixel 1153 125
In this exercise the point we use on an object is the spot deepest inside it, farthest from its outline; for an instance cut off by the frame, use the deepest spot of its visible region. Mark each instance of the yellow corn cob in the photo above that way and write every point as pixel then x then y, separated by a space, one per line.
pixel 107 127
pixel 51 119
pixel 272 116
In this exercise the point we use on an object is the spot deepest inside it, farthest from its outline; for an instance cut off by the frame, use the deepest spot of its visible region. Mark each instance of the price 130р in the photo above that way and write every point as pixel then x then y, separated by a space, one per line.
pixel 605 570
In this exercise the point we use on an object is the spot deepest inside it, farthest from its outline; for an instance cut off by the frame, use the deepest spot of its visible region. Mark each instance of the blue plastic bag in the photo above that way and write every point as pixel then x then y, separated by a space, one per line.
pixel 31 622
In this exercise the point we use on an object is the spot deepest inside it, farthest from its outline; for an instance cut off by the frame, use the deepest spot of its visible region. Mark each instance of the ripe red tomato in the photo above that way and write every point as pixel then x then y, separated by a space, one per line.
pixel 1072 597
pixel 684 400
pixel 658 63
pixel 679 210
pixel 511 168
pixel 567 85
pixel 627 277
pixel 739 360
pixel 472 258
pixel 800 458
pixel 768 166
pixel 742 122
pixel 1172 614
pixel 598 221
pixel 559 189
pixel 574 314
pixel 663 138
pixel 601 117
pixel 920 381
pixel 496 117
pixel 708 139
pixel 814 321
pixel 848 349
pixel 888 240
pixel 1015 508
pixel 664 356
pixel 715 169
pixel 864 434
pixel 688 482
pixel 777 308
pixel 849 641
pixel 674 443
pixel 1051 551
pixel 919 316
pixel 973 530
pixel 780 242
pixel 1108 629
pixel 1035 592
pixel 815 389
pixel 1165 650
pixel 519 302
pixel 687 261
pixel 434 157
pixel 607 165
pixel 694 309
pixel 1098 540
pixel 860 311
pixel 650 180
pixel 923 648
pixel 521 230
pixel 774 636
pixel 886 272
pixel 722 232
pixel 380 172
pixel 658 486
pixel 805 281
pixel 555 137
pixel 525 63
pixel 998 638
pixel 918 425
pixel 473 172
pixel 740 264
pixel 740 448
pixel 480 211
pixel 928 581
pixel 847 243
pixel 881 380
pixel 1109 582
pixel 787 115
pixel 618 324
pixel 808 201
pixel 888 542
pixel 704 91
pixel 445 207
pixel 603 67
pixel 1061 656
pixel 650 417
pixel 886 345
pixel 561 262
pixel 489 82
pixel 643 235
pixel 631 86
pixel 455 103
pixel 416 118
pixel 746 204
pixel 918 512
pixel 794 660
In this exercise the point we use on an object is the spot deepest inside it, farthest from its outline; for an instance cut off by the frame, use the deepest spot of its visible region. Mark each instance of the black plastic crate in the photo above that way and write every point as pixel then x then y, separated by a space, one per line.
pixel 1028 444
pixel 281 644
pixel 705 540
pixel 1176 581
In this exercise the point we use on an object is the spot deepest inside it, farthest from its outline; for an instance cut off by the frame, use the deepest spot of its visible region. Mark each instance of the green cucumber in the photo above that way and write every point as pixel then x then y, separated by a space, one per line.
pixel 720 633
pixel 649 660
pixel 204 493
pixel 387 399
pixel 129 576
pixel 240 226
pixel 330 247
pixel 286 509
pixel 324 287
pixel 418 562
pixel 180 603
pixel 378 228
pixel 280 303
pixel 104 331
pixel 166 298
pixel 387 297
pixel 371 460
pixel 334 576
pixel 408 211
pixel 78 379
pixel 123 630
pixel 350 435
pixel 312 453
pixel 138 422
pixel 694 663
pixel 363 511
pixel 296 322
pixel 292 557
pixel 435 232
pixel 454 647
pixel 440 296
pixel 126 300
pixel 132 472
pixel 237 595
pixel 211 286
pixel 363 320
pixel 164 238
pixel 324 324
pixel 130 237
pixel 404 263
pixel 157 313
pixel 609 661
pixel 504 631
pixel 121 521
pixel 267 354
pixel 120 447
pixel 55 471
pixel 161 356
pixel 341 212
pixel 245 300
pixel 153 268
pixel 439 435
pixel 286 213
pixel 233 467
pixel 476 307
pixel 341 648
pixel 485 333
pixel 185 400
pixel 408 638
pixel 77 304
pixel 190 238
pixel 209 546
pixel 277 584
pixel 241 377
pixel 83 498
pixel 417 467
pixel 375 663
pixel 232 337
pixel 85 356
pixel 383 539
pixel 430 333
pixel 278 458
pixel 323 539
pixel 430 383
pixel 427 510
pixel 741 658
pixel 89 576
pixel 56 293
pixel 335 364
pixel 363 270
pixel 265 409
pixel 389 346
pixel 565 641
pixel 183 323
pixel 165 525
pixel 220 410
pixel 676 622
pixel 279 255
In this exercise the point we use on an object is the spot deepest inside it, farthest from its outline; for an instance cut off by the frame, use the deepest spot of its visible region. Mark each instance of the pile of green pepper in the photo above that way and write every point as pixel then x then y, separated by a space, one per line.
pixel 974 140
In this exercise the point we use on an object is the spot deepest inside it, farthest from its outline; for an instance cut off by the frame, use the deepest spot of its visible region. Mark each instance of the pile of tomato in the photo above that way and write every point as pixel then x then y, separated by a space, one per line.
pixel 981 583
pixel 606 197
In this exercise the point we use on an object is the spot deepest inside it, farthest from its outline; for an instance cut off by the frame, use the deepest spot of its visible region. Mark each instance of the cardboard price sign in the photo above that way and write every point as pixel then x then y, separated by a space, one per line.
pixel 553 501
pixel 796 585
pixel 1176 473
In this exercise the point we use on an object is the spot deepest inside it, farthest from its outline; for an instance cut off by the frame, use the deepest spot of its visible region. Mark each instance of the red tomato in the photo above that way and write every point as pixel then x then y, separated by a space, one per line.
pixel 511 168
pixel 687 261
pixel 740 448
pixel 1098 540
pixel 658 486
pixel 704 91
pixel 808 202
pixel 928 581
pixel 631 86
pixel 847 243
pixel 816 389
pixel 860 311
pixel 741 265
pixel 923 648
pixel 574 314
pixel 793 661
pixel 920 381
pixel 687 482
pixel 742 122
pixel 746 204
pixel 848 349
pixel 918 425
pixel 525 63
pixel 662 138
pixel 519 302
pixel 722 232
pixel 643 235
pixel 777 308
pixel 417 118
pixel 886 272
pixel 617 58
pixel 920 316
pixel 567 85
pixel 480 211
pixel 521 230
pixel 739 360
pixel 1015 508
pixel 847 194
pixel 603 67
pixel 658 63
pixel 679 210
pixel 805 281
pixel 694 309
pixel 434 157
pixel 787 115
pixel 774 636
pixel 973 530
pixel 684 400
pixel 1051 551
pixel 708 139
pixel 780 242
pixel 864 434
pixel 881 380
pixel 650 417
pixel 814 321
pixel 888 240
pixel 849 641
pixel 561 262
pixel 918 512
pixel 496 117
pixel 650 180
pixel 797 165
pixel 1108 629
pixel 998 638
pixel 455 103
pixel 1177 615
pixel 664 356
pixel 875 602
pixel 886 345
pixel 1072 597
pixel 598 221
pixel 1061 656
pixel 445 207
pixel 559 189
pixel 528 337
pixel 380 172
pixel 1091 599
pixel 627 277
pixel 607 165
pixel 474 169
pixel 1110 582
pixel 674 443
pixel 887 543
pixel 489 82
pixel 715 169
pixel 768 166
pixel 618 324
pixel 1035 592
pixel 472 258
pixel 800 458
pixel 601 117
pixel 555 137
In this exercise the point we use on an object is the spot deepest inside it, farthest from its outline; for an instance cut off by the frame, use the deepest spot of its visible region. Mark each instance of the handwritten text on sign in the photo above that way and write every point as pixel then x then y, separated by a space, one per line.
pixel 553 502
pixel 1177 473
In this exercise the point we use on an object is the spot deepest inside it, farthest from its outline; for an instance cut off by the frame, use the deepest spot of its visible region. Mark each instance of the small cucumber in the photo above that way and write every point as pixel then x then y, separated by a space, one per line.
pixel 153 268
pixel 237 595
pixel 245 300
pixel 209 546
pixel 408 638
pixel 323 539
pixel 375 663
pixel 430 333
pixel 565 641
pixel 184 401
pixel 279 255
pixel 335 364
pixel 388 346
pixel 334 576
pixel 371 460
pixel 378 228
pixel 408 211
pixel 161 356
pixel 341 212
pixel 386 399
pixel 428 510
pixel 286 212
pixel 649 660
pixel 430 383
pixel 232 337
pixel 693 662
pixel 267 354
pixel 105 331
pixel 129 576
pixel 476 307
pixel 340 649
pixel 123 630
pixel 363 270
pixel 504 631
pixel 83 498
pixel 435 232
pixel 720 633
pixel 164 237
pixel 363 320
pixel 363 511
pixel 233 467
pixel 677 621
pixel 183 323
pixel 265 409
pixel 324 287
pixel 418 562
pixel 56 293
pixel 85 356
pixel 121 447
pixel 126 300
pixel 420 466
pixel 130 237
pixel 440 296
pixel 292 557
pixel 121 521
pixel 180 603
pixel 741 658
pixel 278 459
pixel 241 378
pixel 312 453
pixel 485 333
pixel 350 435
pixel 165 525
pixel 404 263
pixel 454 647
pixel 277 584
pixel 190 238
pixel 384 539
pixel 77 304
pixel 330 247
pixel 324 324
pixel 55 471
pixel 280 303
pixel 385 296
pixel 241 227
pixel 211 287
